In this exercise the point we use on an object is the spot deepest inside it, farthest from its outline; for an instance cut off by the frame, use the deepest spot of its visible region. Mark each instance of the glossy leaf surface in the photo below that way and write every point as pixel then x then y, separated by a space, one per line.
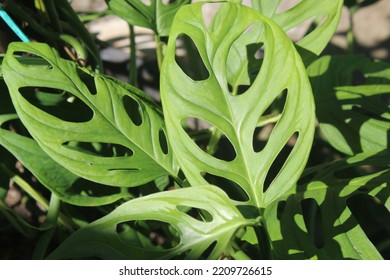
pixel 97 127
pixel 325 13
pixel 226 46
pixel 102 239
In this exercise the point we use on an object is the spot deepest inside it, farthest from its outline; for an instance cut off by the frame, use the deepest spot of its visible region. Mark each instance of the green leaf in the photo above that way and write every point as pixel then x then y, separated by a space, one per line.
pixel 153 14
pixel 351 94
pixel 100 130
pixel 319 220
pixel 326 15
pixel 103 239
pixel 66 185
pixel 226 47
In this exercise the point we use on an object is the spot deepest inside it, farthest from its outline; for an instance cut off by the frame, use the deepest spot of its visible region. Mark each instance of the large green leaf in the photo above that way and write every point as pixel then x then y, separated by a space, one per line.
pixel 351 94
pixel 104 239
pixel 153 14
pixel 66 185
pixel 95 126
pixel 319 220
pixel 327 13
pixel 227 47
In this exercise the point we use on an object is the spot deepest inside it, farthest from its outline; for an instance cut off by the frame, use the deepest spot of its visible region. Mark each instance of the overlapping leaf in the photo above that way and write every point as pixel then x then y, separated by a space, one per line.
pixel 66 185
pixel 225 47
pixel 153 14
pixel 327 13
pixel 72 112
pixel 103 239
pixel 317 222
pixel 351 94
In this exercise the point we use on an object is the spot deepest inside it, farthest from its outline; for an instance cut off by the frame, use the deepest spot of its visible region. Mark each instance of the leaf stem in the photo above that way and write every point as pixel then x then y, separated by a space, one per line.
pixel 52 218
pixel 64 220
pixel 160 46
pixel 133 77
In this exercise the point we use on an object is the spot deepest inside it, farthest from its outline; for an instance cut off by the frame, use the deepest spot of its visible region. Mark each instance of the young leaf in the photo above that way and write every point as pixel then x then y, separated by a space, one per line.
pixel 153 14
pixel 102 239
pixel 319 221
pixel 351 94
pixel 99 129
pixel 327 13
pixel 224 46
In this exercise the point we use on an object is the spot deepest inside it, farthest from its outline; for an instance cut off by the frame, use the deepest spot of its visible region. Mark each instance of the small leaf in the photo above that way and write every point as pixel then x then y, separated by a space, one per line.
pixel 101 239
pixel 114 139
pixel 226 46
pixel 351 94
pixel 153 14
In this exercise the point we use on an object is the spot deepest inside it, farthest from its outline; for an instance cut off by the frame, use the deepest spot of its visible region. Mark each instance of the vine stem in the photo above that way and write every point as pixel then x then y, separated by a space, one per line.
pixel 133 77
pixel 159 50
pixel 350 35
pixel 51 222
pixel 64 220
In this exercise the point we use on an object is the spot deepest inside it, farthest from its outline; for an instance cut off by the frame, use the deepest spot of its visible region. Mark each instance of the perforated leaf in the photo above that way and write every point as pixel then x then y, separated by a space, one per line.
pixel 225 46
pixel 94 126
pixel 103 238
pixel 325 13
pixel 66 185
pixel 153 14
pixel 338 214
pixel 352 98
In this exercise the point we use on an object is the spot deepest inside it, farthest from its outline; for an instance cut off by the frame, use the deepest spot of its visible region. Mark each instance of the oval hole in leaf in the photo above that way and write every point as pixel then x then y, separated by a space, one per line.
pixel 232 189
pixel 133 110
pixel 374 219
pixel 266 122
pixel 242 68
pixel 162 138
pixel 209 10
pixel 286 5
pixel 196 213
pixel 313 221
pixel 213 141
pixel 206 253
pixel 58 103
pixel 188 58
pixel 30 59
pixel 279 161
pixel 167 2
pixel 146 2
pixel 304 28
pixel 148 234
pixel 280 209
pixel 99 149
pixel 88 79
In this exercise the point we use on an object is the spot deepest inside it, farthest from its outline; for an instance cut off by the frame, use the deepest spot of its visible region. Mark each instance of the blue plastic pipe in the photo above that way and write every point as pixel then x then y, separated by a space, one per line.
pixel 8 20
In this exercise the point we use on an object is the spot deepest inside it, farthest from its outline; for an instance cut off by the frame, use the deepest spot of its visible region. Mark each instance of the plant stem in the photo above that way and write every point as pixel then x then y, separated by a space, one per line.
pixel 350 35
pixel 159 50
pixel 133 77
pixel 52 217
pixel 212 146
pixel 67 223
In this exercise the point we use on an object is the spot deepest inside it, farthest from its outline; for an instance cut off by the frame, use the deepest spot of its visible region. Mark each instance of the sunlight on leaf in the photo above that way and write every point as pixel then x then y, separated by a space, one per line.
pixel 234 33
pixel 192 237
pixel 102 117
